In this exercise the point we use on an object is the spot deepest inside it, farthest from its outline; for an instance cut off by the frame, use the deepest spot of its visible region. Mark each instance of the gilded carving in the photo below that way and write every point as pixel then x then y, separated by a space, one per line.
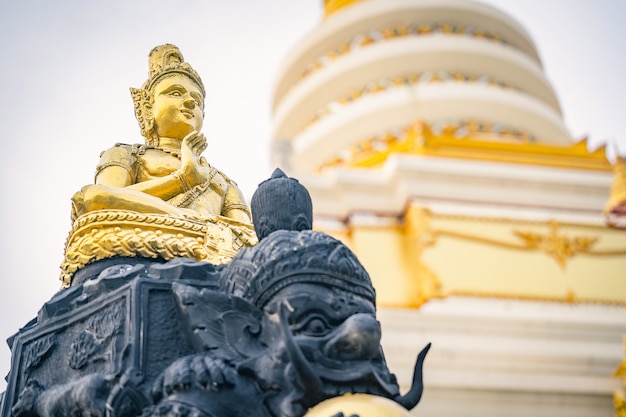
pixel 466 139
pixel 104 234
pixel 423 235
pixel 161 199
pixel 427 77
pixel 615 209
pixel 420 237
pixel 619 397
pixel 416 29
pixel 559 246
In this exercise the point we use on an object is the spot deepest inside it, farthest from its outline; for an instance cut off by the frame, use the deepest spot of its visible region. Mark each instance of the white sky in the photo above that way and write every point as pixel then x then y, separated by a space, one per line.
pixel 67 66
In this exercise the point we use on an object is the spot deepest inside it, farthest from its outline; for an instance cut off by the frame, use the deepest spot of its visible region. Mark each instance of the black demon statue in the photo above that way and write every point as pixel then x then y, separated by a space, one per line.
pixel 287 325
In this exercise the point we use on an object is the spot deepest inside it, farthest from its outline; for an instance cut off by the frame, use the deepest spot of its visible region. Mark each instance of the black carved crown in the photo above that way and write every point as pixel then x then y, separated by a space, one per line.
pixel 281 203
pixel 287 257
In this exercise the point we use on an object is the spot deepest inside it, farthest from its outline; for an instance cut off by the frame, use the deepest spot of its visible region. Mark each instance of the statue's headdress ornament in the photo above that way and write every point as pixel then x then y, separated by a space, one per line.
pixel 163 60
pixel 281 203
pixel 287 257
pixel 289 252
pixel 167 59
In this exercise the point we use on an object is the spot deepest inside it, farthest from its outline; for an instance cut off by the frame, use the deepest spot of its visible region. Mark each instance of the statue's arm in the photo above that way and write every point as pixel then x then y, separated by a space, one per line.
pixel 116 185
pixel 235 206
pixel 116 188
pixel 118 167
pixel 163 187
pixel 192 172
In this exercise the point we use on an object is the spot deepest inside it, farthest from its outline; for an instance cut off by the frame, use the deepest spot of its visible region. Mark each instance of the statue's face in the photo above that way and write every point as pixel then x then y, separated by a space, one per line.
pixel 329 345
pixel 178 107
pixel 331 323
pixel 317 310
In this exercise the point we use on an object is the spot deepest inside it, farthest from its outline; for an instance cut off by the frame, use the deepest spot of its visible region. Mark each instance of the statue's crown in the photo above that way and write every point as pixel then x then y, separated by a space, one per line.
pixel 287 257
pixel 281 203
pixel 167 59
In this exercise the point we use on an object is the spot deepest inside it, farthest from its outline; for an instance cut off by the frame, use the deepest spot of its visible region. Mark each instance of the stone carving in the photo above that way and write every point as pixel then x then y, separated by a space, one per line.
pixel 303 330
pixel 37 351
pixel 84 397
pixel 205 386
pixel 319 318
pixel 281 203
pixel 100 328
pixel 293 317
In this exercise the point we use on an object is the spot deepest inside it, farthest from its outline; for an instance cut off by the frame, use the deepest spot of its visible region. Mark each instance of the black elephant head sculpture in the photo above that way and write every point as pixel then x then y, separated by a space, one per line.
pixel 295 316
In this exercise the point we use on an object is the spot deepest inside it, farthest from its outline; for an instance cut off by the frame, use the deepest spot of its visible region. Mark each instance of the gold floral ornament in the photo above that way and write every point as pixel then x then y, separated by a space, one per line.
pixel 160 199
pixel 559 246
pixel 108 233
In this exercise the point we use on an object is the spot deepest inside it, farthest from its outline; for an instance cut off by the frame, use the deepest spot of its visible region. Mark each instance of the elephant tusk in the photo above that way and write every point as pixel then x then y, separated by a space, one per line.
pixel 411 398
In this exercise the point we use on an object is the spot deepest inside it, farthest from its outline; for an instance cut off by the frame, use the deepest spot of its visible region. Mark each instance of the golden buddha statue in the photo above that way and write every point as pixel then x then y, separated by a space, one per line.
pixel 142 189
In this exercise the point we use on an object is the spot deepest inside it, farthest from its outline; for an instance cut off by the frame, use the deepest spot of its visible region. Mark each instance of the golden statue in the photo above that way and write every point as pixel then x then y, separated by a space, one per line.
pixel 160 199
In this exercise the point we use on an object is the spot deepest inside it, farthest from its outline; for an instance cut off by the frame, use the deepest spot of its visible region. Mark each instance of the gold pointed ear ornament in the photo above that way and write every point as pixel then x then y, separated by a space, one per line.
pixel 143 100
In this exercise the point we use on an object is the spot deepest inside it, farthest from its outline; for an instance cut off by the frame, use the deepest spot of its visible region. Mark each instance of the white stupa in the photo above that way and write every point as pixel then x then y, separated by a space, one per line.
pixel 434 146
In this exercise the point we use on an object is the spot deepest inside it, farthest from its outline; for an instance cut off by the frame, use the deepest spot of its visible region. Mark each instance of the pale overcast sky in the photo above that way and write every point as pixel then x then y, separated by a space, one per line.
pixel 67 66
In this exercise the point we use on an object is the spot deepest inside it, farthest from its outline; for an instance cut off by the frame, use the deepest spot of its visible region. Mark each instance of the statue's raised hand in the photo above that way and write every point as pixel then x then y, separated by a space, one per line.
pixel 192 167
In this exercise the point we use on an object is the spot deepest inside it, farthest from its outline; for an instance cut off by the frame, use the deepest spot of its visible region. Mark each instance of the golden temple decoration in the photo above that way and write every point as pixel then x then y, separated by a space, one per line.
pixel 108 233
pixel 427 77
pixel 373 36
pixel 569 297
pixel 420 237
pixel 559 246
pixel 619 397
pixel 423 235
pixel 468 139
pixel 615 209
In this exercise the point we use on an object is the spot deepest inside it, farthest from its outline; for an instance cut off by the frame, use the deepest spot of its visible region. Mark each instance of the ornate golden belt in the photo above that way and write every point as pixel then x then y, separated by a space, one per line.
pixel 109 233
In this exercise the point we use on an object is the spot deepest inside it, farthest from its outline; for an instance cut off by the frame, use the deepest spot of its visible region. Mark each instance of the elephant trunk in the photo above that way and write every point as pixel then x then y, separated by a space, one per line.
pixel 306 376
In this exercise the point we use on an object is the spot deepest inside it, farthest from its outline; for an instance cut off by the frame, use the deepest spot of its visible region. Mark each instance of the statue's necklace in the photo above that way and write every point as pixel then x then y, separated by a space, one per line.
pixel 174 153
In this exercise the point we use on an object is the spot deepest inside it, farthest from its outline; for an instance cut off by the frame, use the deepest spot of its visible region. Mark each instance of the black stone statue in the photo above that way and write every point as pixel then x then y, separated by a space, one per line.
pixel 287 324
